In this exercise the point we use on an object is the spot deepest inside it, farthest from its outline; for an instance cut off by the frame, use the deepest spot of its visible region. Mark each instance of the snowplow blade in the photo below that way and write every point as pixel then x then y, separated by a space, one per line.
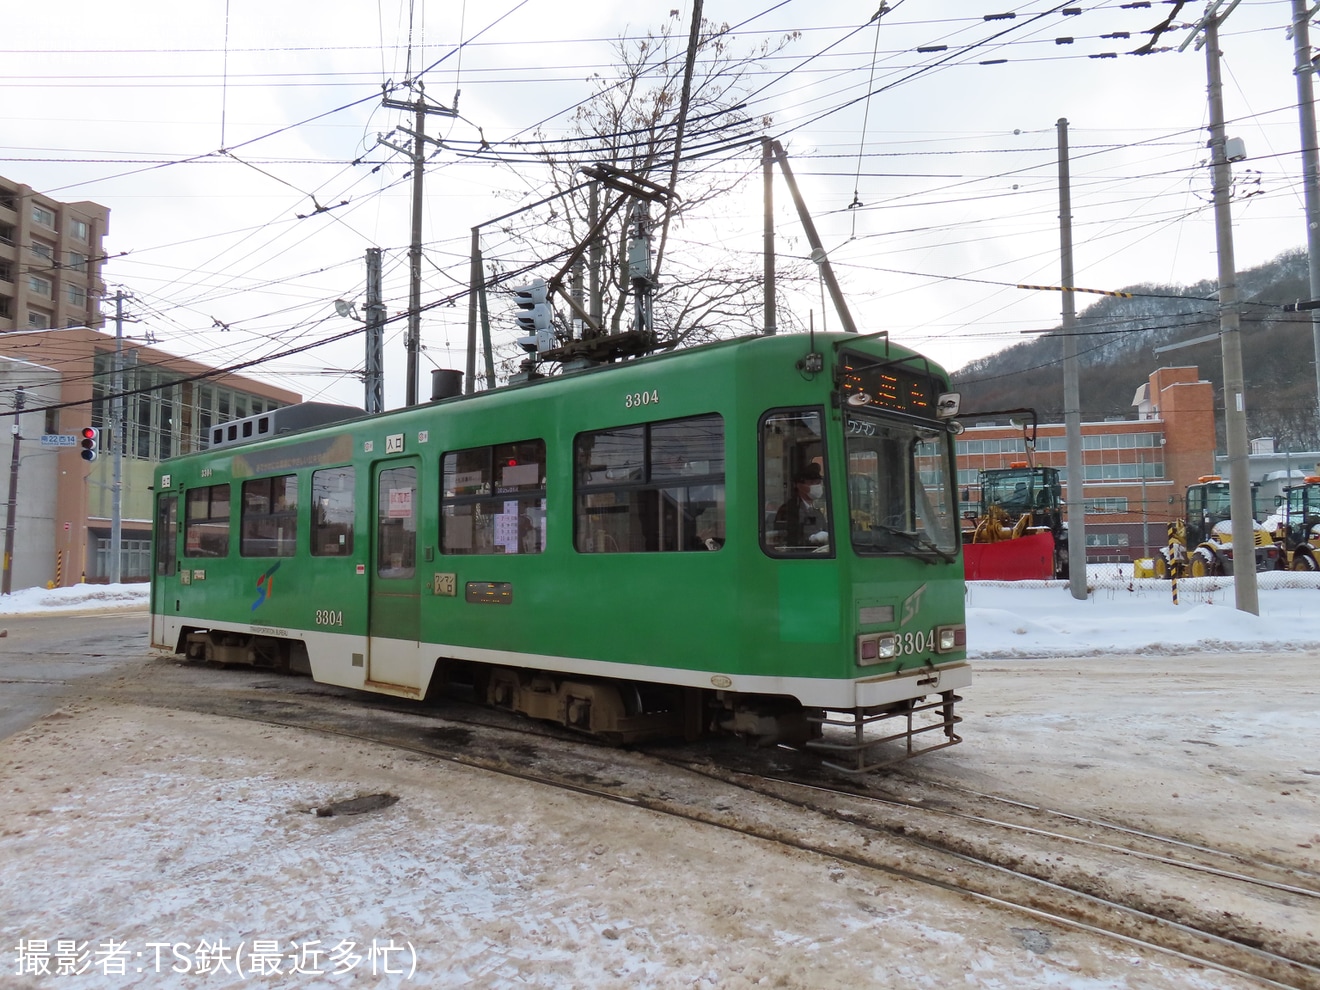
pixel 1027 558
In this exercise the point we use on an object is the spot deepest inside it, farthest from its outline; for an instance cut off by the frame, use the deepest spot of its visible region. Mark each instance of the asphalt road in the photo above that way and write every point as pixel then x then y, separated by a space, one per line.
pixel 42 656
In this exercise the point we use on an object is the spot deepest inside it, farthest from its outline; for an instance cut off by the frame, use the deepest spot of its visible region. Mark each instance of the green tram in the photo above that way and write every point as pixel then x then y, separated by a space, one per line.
pixel 758 536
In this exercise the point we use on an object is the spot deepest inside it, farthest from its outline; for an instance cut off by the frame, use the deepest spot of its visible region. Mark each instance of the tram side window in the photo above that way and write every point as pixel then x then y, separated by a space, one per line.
pixel 795 502
pixel 269 524
pixel 332 512
pixel 651 488
pixel 492 499
pixel 206 522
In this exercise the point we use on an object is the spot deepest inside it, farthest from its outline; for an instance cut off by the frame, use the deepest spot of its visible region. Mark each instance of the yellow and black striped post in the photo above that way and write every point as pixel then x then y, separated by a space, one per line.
pixel 59 568
pixel 1175 558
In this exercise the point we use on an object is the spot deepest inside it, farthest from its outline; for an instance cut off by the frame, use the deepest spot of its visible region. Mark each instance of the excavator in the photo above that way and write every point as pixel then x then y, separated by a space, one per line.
pixel 1018 532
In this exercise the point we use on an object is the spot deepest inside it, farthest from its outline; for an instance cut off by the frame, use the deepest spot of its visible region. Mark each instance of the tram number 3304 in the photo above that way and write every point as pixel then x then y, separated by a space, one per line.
pixel 329 617
pixel 911 643
pixel 635 399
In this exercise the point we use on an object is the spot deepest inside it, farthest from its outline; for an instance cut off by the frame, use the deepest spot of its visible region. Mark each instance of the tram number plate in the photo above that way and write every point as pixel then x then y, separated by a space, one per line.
pixel 909 644
pixel 329 617
pixel 634 400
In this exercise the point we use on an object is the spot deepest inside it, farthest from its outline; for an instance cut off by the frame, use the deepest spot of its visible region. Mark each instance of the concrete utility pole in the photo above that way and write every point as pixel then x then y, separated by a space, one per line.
pixel 374 378
pixel 418 155
pixel 6 580
pixel 768 232
pixel 1230 336
pixel 1303 68
pixel 117 444
pixel 1072 398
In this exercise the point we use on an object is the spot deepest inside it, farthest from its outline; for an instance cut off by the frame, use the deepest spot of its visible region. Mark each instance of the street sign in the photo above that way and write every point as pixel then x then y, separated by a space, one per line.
pixel 59 440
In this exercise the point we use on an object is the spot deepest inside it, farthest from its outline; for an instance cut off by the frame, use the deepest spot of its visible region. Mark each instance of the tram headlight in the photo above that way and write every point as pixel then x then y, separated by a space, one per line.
pixel 951 638
pixel 876 648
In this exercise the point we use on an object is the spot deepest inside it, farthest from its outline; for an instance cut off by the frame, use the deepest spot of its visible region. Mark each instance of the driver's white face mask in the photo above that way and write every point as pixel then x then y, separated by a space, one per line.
pixel 816 491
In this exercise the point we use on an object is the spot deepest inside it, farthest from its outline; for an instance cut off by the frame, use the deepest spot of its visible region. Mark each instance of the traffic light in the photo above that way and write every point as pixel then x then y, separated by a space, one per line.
pixel 91 441
pixel 534 316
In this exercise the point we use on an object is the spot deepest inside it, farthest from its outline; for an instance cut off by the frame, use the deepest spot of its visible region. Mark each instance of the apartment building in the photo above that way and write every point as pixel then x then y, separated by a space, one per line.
pixel 51 257
pixel 59 372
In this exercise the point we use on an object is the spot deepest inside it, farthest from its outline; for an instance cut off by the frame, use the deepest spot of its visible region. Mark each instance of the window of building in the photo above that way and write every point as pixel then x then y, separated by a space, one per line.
pixel 79 229
pixel 7 234
pixel 5 307
pixel 1102 505
pixel 39 286
pixel 206 522
pixel 44 251
pixel 655 487
pixel 1106 539
pixel 37 320
pixel 492 499
pixel 269 524
pixel 43 216
pixel 6 271
pixel 7 200
pixel 332 512
pixel 77 295
pixel 77 261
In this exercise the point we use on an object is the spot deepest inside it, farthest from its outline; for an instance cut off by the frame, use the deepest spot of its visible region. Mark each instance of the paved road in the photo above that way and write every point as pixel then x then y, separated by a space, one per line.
pixel 41 656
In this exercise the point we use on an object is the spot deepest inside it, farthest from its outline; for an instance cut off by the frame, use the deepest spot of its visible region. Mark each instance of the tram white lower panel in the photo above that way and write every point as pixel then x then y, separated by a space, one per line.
pixel 337 658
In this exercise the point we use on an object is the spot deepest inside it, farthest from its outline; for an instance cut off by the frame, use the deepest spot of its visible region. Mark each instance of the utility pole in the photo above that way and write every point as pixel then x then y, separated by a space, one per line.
pixel 418 155
pixel 1072 400
pixel 6 580
pixel 374 378
pixel 1230 335
pixel 768 233
pixel 1303 68
pixel 117 443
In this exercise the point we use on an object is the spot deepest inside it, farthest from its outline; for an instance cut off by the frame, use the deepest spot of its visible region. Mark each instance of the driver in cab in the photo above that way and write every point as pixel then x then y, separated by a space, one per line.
pixel 800 518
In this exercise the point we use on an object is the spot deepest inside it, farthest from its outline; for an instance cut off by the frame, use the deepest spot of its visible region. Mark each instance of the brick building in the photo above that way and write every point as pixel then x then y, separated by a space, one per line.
pixel 1135 471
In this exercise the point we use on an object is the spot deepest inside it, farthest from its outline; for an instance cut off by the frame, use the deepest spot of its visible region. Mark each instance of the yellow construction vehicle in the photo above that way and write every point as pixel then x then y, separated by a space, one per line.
pixel 1201 544
pixel 1297 525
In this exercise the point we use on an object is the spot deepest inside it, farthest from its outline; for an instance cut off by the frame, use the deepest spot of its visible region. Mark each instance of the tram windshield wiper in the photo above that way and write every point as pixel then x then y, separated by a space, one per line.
pixel 913 541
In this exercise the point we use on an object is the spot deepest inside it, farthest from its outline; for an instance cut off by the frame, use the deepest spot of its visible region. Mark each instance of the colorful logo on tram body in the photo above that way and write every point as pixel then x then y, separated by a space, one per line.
pixel 265 585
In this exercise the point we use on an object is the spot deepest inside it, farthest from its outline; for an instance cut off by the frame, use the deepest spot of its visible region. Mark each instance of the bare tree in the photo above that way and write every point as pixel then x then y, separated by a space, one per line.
pixel 630 123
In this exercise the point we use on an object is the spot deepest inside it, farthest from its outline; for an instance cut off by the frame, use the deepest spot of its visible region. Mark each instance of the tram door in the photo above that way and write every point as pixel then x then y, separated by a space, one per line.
pixel 164 566
pixel 394 608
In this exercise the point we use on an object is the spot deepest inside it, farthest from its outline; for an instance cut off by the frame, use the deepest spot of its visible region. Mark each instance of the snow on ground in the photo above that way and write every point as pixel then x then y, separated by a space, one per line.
pixel 1014 618
pixel 148 848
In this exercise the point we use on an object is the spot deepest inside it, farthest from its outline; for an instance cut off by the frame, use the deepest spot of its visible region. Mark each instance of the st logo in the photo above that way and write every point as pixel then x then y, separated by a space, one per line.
pixel 265 585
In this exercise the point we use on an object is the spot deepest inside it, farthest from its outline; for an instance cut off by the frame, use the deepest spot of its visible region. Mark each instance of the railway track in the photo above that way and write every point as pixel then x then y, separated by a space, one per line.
pixel 1242 915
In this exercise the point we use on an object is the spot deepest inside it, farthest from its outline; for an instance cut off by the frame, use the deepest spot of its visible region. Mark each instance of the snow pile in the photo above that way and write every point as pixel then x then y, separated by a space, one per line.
pixel 80 596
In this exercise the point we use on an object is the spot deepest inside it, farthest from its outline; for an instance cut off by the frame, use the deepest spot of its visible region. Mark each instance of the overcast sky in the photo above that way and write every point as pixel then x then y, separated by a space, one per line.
pixel 935 196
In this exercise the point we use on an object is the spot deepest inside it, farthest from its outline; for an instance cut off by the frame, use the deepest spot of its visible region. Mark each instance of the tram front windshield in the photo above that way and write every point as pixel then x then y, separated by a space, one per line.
pixel 900 491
